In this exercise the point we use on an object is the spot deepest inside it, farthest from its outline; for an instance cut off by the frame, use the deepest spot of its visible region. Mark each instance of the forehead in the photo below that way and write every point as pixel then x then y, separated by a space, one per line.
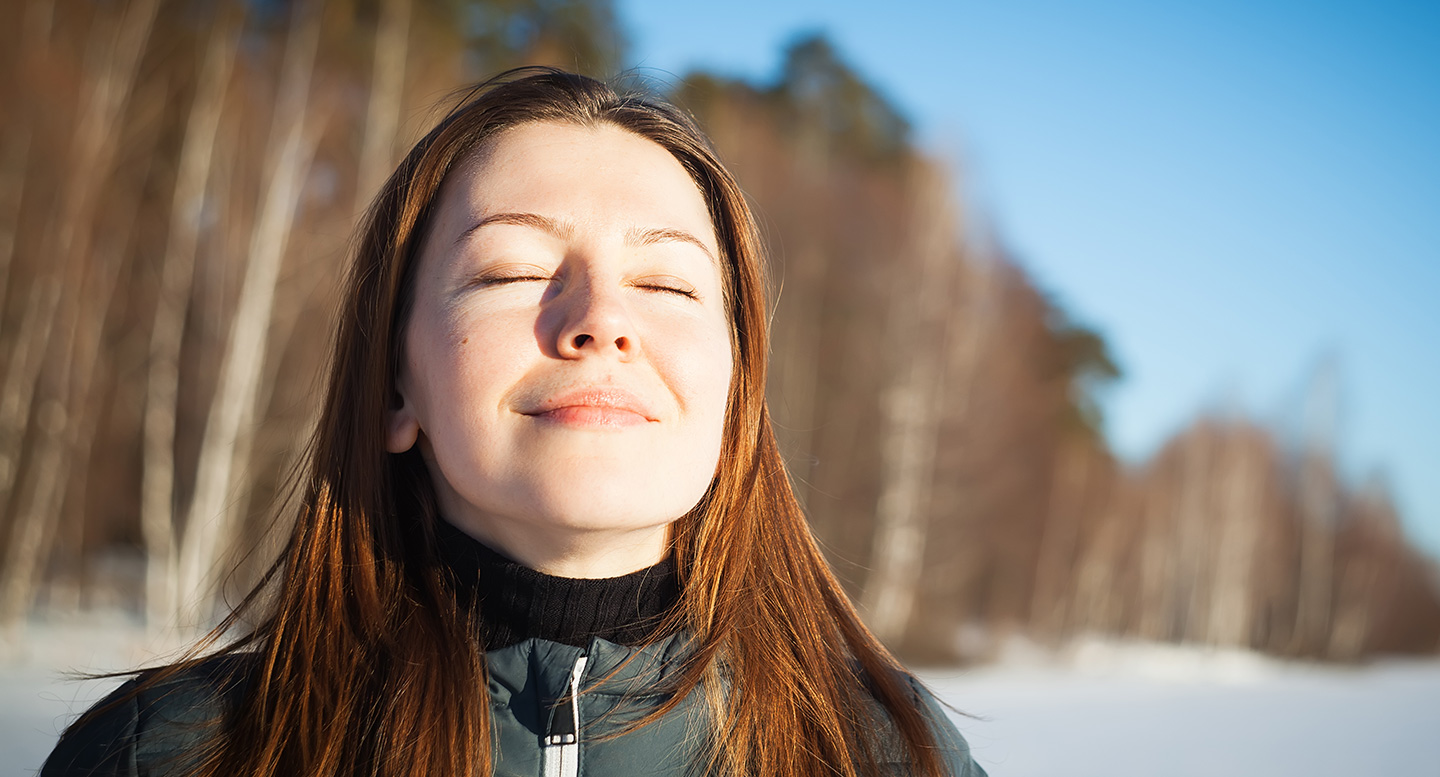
pixel 599 175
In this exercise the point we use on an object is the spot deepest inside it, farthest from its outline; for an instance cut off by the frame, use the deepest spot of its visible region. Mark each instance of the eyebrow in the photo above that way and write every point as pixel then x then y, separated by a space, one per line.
pixel 560 229
pixel 635 236
pixel 639 236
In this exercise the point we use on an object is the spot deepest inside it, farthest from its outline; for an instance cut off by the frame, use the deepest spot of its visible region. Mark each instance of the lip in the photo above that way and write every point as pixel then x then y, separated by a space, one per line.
pixel 595 407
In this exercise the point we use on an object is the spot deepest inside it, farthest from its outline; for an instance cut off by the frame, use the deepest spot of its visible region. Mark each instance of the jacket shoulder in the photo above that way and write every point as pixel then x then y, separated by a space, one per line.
pixel 955 750
pixel 152 724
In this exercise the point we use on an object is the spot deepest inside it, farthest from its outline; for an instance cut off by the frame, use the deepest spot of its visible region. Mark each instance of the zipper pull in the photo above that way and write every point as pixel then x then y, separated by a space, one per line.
pixel 564 728
pixel 561 753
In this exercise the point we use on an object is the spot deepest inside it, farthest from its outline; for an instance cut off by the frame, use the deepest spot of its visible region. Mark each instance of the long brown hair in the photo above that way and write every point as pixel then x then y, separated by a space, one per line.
pixel 363 662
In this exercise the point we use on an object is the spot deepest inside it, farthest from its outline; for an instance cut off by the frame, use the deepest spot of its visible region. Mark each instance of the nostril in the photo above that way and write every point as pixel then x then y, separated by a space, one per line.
pixel 622 343
pixel 581 340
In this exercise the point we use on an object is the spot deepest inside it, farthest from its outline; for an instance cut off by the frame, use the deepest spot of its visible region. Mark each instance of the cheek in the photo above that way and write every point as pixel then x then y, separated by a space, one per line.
pixel 698 360
pixel 444 378
pixel 711 370
pixel 472 354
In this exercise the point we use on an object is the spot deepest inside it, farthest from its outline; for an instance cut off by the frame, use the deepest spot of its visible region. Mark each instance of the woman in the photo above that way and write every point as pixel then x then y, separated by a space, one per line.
pixel 545 524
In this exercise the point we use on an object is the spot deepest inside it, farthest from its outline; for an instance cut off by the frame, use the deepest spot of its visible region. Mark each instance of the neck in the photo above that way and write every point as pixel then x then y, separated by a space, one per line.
pixel 573 553
pixel 512 602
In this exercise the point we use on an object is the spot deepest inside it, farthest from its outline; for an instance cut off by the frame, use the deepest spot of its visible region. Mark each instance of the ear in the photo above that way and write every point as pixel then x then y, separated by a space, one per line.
pixel 402 427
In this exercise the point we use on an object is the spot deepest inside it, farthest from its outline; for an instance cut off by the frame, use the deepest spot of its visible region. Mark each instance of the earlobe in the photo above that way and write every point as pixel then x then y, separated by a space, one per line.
pixel 402 428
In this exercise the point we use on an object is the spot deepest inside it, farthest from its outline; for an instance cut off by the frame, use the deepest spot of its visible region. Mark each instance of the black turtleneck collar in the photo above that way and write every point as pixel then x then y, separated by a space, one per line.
pixel 515 602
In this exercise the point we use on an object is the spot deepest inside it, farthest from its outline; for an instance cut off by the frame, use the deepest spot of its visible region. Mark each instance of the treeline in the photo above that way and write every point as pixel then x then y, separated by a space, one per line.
pixel 941 419
pixel 178 183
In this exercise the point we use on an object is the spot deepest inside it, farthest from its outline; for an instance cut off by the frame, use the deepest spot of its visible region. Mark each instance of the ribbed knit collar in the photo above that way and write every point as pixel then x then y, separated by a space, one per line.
pixel 515 603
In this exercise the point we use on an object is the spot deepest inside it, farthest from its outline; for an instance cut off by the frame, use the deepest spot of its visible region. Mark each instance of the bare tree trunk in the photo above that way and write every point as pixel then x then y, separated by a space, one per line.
pixel 1055 572
pixel 66 422
pixel 290 151
pixel 36 502
pixel 387 85
pixel 157 521
pixel 376 159
pixel 27 358
pixel 1318 510
pixel 1191 554
pixel 1378 534
pixel 112 77
pixel 1238 488
pixel 60 479
pixel 911 413
pixel 982 305
pixel 36 20
pixel 283 331
pixel 1156 586
pixel 1319 498
pixel 797 363
pixel 1099 568
pixel 12 190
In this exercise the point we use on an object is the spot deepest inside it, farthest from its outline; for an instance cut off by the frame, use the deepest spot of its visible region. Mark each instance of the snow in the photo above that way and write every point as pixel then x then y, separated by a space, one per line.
pixel 1118 710
pixel 1164 711
pixel 38 695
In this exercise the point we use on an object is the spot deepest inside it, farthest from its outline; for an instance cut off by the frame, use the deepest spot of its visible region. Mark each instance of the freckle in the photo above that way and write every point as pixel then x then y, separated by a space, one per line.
pixel 464 340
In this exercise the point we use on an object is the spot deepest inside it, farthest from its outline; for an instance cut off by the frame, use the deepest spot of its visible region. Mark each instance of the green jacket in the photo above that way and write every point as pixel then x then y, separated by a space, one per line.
pixel 154 734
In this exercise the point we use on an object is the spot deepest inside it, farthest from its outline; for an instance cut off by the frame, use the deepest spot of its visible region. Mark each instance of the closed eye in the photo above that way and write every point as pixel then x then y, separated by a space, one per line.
pixel 507 275
pixel 667 285
pixel 504 279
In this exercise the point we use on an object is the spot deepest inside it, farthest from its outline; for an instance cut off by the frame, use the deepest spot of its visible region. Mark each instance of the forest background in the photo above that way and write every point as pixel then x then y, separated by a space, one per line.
pixel 179 180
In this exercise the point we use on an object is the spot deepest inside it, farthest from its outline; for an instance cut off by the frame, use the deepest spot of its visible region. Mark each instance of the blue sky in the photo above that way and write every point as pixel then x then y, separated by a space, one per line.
pixel 1232 192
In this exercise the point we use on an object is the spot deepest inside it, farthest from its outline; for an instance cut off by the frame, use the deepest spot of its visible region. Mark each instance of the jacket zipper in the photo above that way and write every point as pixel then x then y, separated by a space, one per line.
pixel 560 754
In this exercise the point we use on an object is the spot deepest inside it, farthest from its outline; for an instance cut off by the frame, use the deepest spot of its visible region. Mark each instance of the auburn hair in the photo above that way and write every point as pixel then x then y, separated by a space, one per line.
pixel 362 662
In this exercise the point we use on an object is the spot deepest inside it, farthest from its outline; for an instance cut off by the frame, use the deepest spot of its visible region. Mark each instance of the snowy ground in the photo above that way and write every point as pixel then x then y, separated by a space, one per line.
pixel 1116 711
pixel 37 700
pixel 1161 711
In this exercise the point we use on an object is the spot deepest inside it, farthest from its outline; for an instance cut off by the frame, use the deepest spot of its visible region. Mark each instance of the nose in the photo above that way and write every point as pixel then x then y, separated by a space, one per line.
pixel 593 320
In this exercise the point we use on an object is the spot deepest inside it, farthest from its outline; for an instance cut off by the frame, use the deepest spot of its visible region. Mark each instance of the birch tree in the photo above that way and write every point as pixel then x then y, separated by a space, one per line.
pixel 36 21
pixel 290 149
pixel 1239 495
pixel 197 153
pixel 1059 540
pixel 1319 506
pixel 111 71
pixel 1374 535
pixel 919 333
pixel 387 84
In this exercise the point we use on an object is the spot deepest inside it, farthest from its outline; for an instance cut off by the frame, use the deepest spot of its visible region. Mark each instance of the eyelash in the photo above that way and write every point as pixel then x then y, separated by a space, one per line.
pixel 503 280
pixel 684 292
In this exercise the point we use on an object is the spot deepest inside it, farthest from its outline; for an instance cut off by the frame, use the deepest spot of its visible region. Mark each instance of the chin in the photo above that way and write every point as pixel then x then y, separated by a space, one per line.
pixel 581 495
pixel 614 506
pixel 614 490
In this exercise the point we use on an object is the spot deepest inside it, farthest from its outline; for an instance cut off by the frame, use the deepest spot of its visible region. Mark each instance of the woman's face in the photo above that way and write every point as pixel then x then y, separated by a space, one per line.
pixel 568 357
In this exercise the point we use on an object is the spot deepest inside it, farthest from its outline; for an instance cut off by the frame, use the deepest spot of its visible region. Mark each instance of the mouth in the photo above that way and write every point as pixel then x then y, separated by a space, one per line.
pixel 595 408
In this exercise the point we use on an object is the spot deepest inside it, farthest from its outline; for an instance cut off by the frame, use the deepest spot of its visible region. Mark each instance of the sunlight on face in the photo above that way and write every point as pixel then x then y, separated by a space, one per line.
pixel 568 359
